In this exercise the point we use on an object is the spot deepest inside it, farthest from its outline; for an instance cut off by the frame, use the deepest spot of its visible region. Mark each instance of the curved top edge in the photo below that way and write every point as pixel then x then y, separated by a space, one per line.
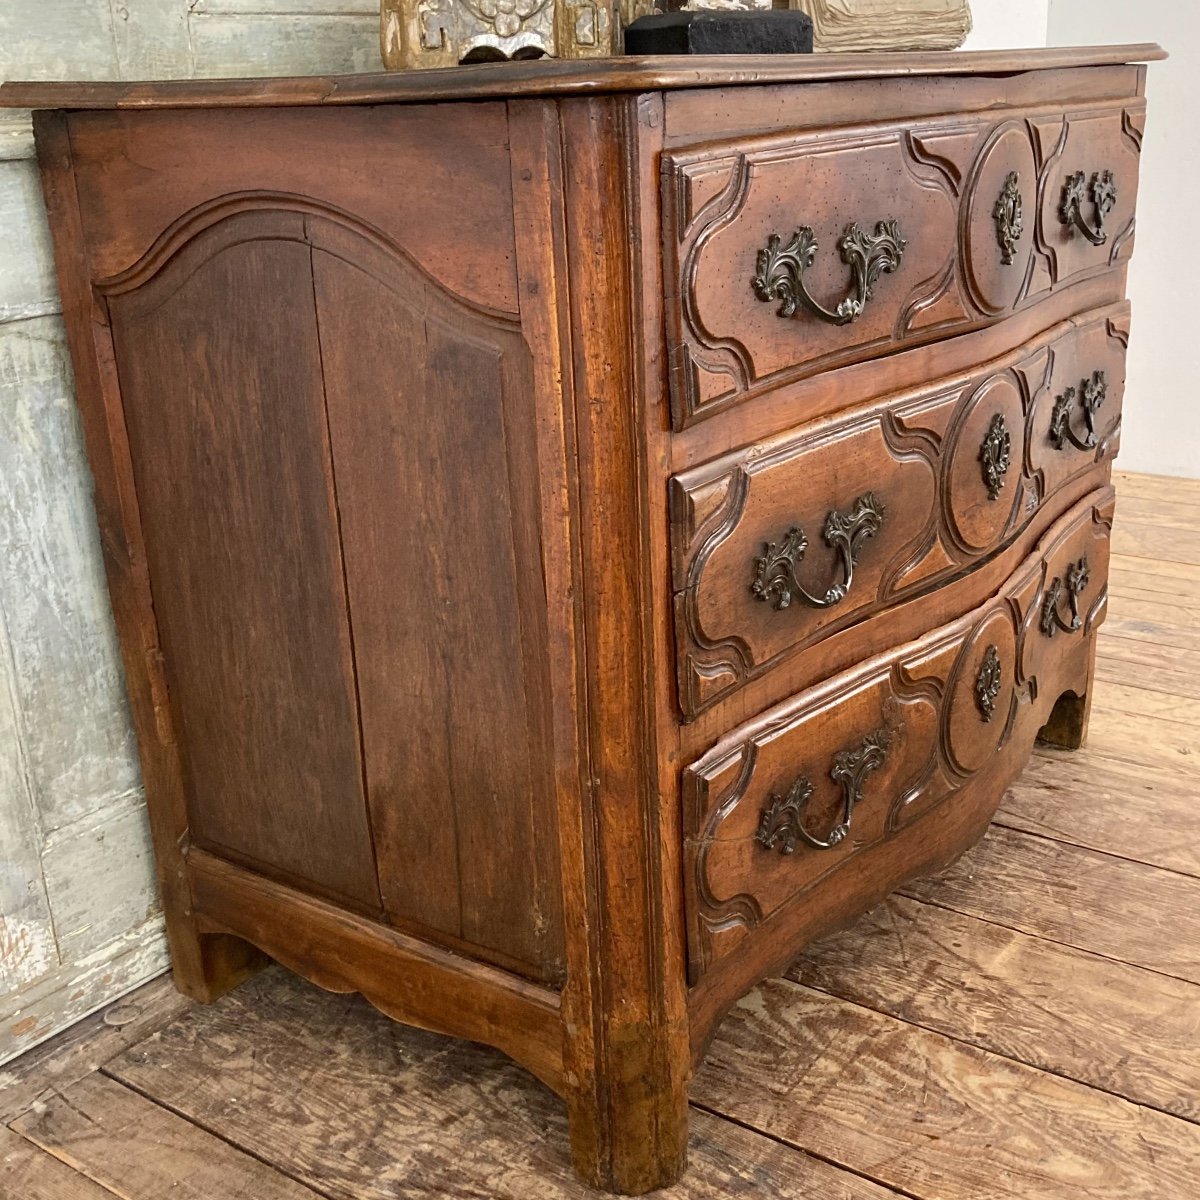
pixel 557 77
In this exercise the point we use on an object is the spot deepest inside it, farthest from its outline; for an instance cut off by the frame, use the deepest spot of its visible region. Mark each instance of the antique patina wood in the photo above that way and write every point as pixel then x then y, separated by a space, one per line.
pixel 559 574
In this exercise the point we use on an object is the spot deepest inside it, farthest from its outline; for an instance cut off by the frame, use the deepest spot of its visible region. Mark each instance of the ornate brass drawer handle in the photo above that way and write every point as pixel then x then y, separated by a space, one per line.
pixel 780 270
pixel 995 455
pixel 1091 396
pixel 1009 217
pixel 775 569
pixel 1075 585
pixel 781 821
pixel 1102 191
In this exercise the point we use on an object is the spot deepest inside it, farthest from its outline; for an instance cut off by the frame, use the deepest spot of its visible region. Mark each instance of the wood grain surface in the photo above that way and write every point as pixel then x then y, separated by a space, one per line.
pixel 87 1044
pixel 555 77
pixel 28 1172
pixel 463 1122
pixel 1121 1029
pixel 142 1151
pixel 931 1116
pixel 1097 902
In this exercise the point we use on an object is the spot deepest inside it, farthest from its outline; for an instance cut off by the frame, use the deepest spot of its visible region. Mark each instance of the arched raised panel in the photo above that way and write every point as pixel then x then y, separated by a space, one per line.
pixel 354 572
pixel 220 375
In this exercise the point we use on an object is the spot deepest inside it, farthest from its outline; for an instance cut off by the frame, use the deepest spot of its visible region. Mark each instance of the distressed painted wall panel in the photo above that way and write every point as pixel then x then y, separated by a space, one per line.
pixel 79 748
pixel 283 45
pixel 27 949
pixel 78 905
pixel 63 997
pixel 151 38
pixel 27 286
pixel 57 39
pixel 16 136
pixel 100 877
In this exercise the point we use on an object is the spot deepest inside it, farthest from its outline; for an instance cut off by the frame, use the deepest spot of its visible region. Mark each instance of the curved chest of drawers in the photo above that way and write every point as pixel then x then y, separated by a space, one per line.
pixel 578 531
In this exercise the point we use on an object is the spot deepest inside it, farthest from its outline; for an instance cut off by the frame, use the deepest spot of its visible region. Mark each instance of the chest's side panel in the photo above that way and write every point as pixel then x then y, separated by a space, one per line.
pixel 327 390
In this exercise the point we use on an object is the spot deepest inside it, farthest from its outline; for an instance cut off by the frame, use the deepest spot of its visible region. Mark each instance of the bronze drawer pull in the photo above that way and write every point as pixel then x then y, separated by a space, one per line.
pixel 1102 190
pixel 780 823
pixel 780 273
pixel 775 569
pixel 1009 218
pixel 995 454
pixel 1091 395
pixel 1076 584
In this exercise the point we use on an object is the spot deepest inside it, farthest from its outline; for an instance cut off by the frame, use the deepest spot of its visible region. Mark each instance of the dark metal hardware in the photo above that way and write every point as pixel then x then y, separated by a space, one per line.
pixel 988 683
pixel 1091 396
pixel 1009 218
pixel 1101 190
pixel 1074 586
pixel 775 570
pixel 780 824
pixel 780 269
pixel 994 455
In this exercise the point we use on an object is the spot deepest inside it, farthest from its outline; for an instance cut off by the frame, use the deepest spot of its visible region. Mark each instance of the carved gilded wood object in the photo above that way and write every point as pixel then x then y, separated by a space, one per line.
pixel 443 33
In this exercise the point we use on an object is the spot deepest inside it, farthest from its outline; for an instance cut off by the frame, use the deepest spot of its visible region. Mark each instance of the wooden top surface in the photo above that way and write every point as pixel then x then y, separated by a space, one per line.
pixel 550 77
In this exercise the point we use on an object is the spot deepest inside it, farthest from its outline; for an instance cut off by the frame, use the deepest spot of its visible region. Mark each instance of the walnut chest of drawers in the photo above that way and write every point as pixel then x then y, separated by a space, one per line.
pixel 579 531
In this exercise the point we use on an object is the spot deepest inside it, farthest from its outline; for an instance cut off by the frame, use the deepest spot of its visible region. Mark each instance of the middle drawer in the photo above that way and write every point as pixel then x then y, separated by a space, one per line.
pixel 784 542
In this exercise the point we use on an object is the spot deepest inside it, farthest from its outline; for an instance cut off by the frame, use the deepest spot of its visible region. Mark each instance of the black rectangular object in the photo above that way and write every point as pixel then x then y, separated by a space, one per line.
pixel 768 31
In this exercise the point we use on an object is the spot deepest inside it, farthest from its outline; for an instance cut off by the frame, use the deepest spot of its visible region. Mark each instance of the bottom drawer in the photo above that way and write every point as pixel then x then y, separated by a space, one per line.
pixel 785 802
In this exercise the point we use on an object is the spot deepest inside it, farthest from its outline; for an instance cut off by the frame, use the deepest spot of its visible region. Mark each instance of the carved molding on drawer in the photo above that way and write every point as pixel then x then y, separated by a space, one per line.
pixel 718 531
pixel 978 200
pixel 939 449
pixel 945 706
pixel 1094 143
pixel 715 358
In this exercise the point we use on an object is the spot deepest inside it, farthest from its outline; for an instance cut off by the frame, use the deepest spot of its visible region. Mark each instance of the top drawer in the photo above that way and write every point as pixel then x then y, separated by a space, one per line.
pixel 789 255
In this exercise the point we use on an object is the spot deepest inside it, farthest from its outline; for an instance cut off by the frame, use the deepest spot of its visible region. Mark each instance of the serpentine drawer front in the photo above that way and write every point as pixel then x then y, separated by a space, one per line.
pixel 780 805
pixel 579 531
pixel 780 543
pixel 790 255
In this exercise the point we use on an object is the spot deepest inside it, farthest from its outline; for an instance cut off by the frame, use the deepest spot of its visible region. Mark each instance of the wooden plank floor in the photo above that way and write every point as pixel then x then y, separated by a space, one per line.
pixel 1026 1025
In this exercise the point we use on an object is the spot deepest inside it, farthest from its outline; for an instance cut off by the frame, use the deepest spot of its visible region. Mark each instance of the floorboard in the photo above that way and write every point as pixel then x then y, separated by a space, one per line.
pixel 29 1173
pixel 1106 905
pixel 1115 807
pixel 88 1044
pixel 1168 489
pixel 1142 702
pixel 142 1151
pixel 1134 663
pixel 1122 1029
pixel 931 1116
pixel 360 1108
pixel 1146 539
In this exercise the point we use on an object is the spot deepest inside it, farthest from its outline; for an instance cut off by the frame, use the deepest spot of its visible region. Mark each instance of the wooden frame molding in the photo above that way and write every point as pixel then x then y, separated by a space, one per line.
pixel 403 977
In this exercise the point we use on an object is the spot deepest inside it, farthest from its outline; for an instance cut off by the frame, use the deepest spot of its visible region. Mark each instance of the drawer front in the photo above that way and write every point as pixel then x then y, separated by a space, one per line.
pixel 781 805
pixel 788 541
pixel 785 257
